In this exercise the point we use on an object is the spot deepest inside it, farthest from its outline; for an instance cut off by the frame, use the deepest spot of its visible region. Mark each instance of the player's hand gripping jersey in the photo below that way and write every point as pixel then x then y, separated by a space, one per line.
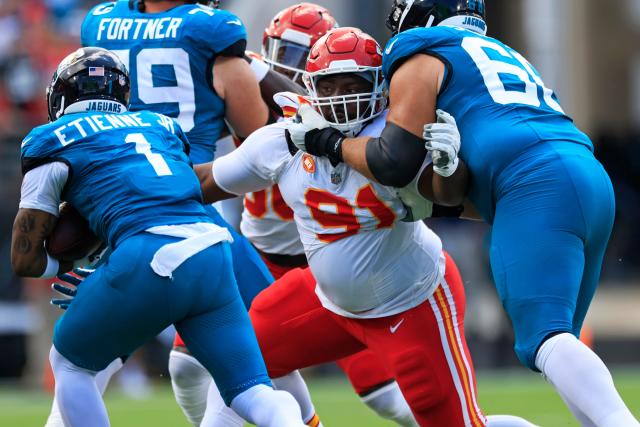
pixel 366 262
pixel 482 77
pixel 169 56
pixel 147 151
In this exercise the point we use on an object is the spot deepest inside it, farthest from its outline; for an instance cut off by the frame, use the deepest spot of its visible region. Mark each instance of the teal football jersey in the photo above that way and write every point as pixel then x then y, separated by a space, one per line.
pixel 127 172
pixel 169 56
pixel 498 99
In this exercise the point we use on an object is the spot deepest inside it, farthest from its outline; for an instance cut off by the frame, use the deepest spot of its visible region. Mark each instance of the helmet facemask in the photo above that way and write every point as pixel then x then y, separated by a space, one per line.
pixel 288 38
pixel 286 57
pixel 348 112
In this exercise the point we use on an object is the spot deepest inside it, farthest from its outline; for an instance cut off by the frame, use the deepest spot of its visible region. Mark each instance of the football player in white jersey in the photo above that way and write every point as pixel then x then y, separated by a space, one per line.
pixel 377 283
pixel 268 223
pixel 265 219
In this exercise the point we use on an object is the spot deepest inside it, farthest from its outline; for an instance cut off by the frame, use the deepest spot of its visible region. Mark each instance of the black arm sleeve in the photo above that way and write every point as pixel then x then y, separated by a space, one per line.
pixel 235 50
pixel 396 156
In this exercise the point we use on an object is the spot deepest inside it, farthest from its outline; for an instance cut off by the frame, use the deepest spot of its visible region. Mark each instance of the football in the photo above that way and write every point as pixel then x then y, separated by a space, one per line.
pixel 71 239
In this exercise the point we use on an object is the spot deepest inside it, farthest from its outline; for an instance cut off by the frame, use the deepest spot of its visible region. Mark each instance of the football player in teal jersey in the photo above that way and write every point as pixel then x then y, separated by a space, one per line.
pixel 129 175
pixel 187 61
pixel 524 165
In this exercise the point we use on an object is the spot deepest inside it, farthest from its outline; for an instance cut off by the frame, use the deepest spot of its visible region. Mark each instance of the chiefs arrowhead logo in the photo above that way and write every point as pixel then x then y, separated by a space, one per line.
pixel 308 164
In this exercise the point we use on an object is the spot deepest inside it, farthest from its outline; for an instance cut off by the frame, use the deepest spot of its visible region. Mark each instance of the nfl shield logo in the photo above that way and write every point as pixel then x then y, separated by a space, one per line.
pixel 336 177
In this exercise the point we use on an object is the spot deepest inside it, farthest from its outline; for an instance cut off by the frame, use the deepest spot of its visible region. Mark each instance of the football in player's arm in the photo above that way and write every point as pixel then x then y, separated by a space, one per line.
pixel 29 258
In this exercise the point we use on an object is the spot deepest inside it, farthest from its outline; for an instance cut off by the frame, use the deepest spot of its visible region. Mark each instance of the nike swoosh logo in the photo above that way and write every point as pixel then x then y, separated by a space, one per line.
pixel 388 49
pixel 394 328
pixel 235 22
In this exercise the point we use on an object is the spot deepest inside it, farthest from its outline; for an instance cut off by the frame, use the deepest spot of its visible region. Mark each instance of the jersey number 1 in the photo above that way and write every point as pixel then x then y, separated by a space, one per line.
pixel 143 147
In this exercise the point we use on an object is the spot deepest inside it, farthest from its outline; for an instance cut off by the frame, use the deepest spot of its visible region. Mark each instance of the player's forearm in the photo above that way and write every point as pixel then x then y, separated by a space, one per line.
pixel 211 192
pixel 28 255
pixel 354 153
pixel 274 82
pixel 449 191
pixel 235 82
pixel 470 212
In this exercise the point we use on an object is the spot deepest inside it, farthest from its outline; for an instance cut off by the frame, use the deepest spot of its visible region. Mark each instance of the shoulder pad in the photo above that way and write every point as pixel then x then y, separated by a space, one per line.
pixel 214 28
pixel 37 142
pixel 411 42
pixel 87 32
pixel 38 148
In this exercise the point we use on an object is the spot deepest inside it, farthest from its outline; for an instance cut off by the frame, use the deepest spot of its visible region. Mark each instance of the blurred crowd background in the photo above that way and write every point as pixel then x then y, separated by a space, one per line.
pixel 585 51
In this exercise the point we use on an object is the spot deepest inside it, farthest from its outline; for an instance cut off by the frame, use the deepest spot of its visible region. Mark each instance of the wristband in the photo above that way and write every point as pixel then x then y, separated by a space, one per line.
pixel 259 68
pixel 51 270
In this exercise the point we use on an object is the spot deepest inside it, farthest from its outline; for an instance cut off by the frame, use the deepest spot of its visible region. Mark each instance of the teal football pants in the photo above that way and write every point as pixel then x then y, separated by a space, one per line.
pixel 124 303
pixel 553 218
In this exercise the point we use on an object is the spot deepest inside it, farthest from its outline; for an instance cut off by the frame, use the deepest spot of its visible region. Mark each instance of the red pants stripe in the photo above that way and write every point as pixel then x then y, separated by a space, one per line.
pixel 364 370
pixel 422 348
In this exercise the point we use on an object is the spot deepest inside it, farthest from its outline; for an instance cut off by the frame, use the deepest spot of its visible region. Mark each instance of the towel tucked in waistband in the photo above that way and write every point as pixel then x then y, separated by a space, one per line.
pixel 197 237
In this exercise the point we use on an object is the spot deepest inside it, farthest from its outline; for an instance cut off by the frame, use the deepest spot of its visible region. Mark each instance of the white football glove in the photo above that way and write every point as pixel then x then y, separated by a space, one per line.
pixel 305 120
pixel 442 140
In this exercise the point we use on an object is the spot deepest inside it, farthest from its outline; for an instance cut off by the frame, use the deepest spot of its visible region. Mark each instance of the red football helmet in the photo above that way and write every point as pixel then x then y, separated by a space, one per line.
pixel 290 35
pixel 347 51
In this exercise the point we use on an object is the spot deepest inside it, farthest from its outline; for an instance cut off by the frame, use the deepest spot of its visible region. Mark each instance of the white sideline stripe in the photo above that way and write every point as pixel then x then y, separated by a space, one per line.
pixel 467 365
pixel 450 361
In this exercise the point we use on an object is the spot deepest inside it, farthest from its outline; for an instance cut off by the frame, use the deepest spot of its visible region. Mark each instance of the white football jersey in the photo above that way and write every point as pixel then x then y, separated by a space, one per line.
pixel 268 223
pixel 367 263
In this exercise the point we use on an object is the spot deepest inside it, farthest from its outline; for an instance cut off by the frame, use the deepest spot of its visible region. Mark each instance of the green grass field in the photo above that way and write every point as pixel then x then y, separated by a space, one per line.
pixel 522 394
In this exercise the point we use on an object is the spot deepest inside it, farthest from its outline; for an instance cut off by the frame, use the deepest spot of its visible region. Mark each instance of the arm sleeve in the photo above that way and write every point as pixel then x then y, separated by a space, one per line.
pixel 256 164
pixel 230 35
pixel 42 187
pixel 395 158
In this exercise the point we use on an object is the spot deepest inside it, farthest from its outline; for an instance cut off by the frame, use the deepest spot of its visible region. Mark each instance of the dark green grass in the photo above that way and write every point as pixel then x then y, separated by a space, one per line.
pixel 521 393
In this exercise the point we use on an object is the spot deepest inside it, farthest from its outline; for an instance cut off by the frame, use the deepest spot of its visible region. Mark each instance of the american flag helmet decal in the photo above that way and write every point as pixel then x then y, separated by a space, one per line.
pixel 96 71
